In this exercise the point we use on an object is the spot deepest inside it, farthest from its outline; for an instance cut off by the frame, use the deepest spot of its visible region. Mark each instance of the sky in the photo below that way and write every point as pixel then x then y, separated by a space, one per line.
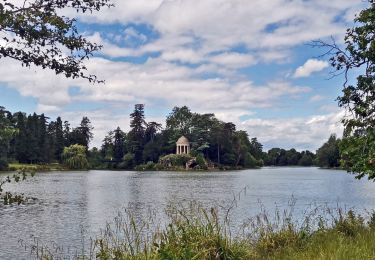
pixel 248 62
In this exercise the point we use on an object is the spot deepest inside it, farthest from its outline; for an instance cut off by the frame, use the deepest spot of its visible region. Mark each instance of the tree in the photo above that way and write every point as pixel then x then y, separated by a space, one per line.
pixel 42 139
pixel 137 132
pixel 83 134
pixel 358 99
pixel 6 133
pixel 21 139
pixel 328 155
pixel 36 32
pixel 118 144
pixel 107 146
pixel 256 149
pixel 74 157
pixel 179 122
pixel 59 139
pixel 307 159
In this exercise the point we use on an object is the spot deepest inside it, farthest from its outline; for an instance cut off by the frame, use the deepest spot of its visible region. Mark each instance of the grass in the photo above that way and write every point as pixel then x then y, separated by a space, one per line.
pixel 194 232
pixel 35 167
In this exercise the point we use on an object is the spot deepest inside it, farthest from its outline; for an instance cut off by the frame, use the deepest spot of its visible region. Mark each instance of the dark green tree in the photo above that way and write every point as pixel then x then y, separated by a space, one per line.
pixel 21 139
pixel 82 135
pixel 179 122
pixel 32 142
pixel 256 148
pixel 6 133
pixel 107 146
pixel 59 139
pixel 42 137
pixel 118 144
pixel 307 159
pixel 137 132
pixel 328 155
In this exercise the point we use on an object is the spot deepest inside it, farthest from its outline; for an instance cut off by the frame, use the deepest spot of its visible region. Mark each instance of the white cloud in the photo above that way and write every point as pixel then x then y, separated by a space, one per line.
pixel 311 66
pixel 300 133
pixel 206 34
pixel 219 25
pixel 317 98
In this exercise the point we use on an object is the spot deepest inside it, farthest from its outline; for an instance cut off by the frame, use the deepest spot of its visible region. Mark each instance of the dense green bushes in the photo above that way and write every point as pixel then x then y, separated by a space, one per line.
pixel 74 157
pixel 175 160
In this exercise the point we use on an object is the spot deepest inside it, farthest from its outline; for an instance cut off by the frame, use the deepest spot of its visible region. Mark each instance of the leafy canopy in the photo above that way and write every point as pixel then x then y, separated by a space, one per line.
pixel 35 32
pixel 357 147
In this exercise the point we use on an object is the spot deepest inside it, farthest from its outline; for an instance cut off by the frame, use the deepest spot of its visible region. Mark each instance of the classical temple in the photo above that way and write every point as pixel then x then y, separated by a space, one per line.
pixel 182 145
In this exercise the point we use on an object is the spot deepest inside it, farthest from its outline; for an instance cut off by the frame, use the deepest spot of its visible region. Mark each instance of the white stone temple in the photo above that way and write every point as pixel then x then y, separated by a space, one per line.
pixel 182 145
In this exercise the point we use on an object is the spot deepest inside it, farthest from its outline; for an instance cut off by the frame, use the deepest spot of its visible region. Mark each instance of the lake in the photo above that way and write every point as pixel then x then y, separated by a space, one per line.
pixel 69 202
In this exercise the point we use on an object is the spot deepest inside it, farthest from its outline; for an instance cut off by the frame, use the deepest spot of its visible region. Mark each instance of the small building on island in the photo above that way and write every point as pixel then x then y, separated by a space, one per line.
pixel 182 146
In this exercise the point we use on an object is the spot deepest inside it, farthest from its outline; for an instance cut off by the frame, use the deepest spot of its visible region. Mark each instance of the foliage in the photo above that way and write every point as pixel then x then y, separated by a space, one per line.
pixel 250 161
pixel 282 157
pixel 38 140
pixel 358 99
pixel 149 166
pixel 32 139
pixel 118 144
pixel 82 134
pixel 95 158
pixel 35 32
pixel 74 157
pixel 358 154
pixel 137 132
pixel 6 133
pixel 128 162
pixel 175 160
pixel 195 232
pixel 9 198
pixel 328 155
pixel 201 162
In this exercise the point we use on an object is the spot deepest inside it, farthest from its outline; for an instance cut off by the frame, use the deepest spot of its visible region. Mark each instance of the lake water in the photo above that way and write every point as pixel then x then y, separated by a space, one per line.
pixel 71 201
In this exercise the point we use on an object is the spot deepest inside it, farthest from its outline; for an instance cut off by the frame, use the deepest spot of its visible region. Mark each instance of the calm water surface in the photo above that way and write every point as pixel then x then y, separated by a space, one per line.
pixel 71 201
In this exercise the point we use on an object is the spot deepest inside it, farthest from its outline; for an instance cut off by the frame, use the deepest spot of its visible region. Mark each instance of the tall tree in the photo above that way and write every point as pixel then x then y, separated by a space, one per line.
pixel 118 144
pixel 6 133
pixel 107 146
pixel 358 145
pixel 256 148
pixel 82 135
pixel 21 139
pixel 59 139
pixel 179 122
pixel 42 139
pixel 137 132
pixel 37 32
pixel 32 144
pixel 329 155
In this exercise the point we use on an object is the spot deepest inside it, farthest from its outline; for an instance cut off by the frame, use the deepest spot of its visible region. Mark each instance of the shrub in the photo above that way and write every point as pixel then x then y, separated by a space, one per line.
pixel 175 160
pixel 74 157
pixel 150 166
pixel 128 162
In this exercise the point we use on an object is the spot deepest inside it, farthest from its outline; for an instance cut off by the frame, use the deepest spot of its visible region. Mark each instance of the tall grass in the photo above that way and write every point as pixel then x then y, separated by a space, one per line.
pixel 195 232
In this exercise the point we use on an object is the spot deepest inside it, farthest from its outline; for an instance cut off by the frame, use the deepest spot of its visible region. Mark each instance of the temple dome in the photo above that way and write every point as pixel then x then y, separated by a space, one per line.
pixel 183 140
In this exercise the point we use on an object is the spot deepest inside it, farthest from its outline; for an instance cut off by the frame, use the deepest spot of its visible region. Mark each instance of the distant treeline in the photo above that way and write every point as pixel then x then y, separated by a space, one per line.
pixel 36 139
